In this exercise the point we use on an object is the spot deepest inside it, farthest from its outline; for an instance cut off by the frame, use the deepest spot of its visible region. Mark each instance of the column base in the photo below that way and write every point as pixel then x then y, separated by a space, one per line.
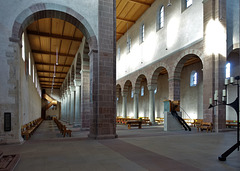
pixel 76 125
pixel 99 137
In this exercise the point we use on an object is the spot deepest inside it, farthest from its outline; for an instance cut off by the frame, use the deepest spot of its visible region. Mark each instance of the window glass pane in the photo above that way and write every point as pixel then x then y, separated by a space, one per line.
pixel 161 17
pixel 29 62
pixel 132 94
pixel 193 78
pixel 142 91
pixel 23 47
pixel 228 69
pixel 155 91
pixel 188 3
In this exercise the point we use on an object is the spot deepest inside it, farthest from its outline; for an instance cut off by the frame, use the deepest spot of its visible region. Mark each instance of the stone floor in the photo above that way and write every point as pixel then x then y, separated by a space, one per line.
pixel 149 148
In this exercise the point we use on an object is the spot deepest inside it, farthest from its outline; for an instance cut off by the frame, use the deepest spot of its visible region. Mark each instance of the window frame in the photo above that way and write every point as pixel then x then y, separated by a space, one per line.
pixel 160 17
pixel 142 90
pixel 142 33
pixel 129 42
pixel 193 78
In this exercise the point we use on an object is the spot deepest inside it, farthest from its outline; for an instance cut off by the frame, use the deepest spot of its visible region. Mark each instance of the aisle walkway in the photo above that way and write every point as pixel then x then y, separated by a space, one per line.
pixel 149 148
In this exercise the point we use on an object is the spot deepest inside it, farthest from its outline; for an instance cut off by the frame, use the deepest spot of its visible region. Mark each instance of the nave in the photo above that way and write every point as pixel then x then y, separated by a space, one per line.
pixel 149 148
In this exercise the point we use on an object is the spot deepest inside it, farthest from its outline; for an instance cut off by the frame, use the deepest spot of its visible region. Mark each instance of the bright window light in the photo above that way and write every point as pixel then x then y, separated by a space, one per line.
pixel 188 3
pixel 23 47
pixel 132 94
pixel 142 91
pixel 228 69
pixel 193 78
pixel 155 91
pixel 161 17
pixel 29 63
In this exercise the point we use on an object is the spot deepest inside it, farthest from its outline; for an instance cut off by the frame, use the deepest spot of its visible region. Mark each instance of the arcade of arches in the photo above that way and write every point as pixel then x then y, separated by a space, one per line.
pixel 69 52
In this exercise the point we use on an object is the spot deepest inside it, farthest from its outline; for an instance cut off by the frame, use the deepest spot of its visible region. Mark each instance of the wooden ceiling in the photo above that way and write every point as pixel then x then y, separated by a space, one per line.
pixel 49 39
pixel 128 12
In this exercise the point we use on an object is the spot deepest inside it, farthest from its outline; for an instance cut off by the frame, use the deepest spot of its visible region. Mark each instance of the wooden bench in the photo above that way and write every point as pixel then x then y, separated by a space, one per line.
pixel 197 122
pixel 231 123
pixel 63 129
pixel 206 125
pixel 159 120
pixel 134 123
pixel 190 122
pixel 28 129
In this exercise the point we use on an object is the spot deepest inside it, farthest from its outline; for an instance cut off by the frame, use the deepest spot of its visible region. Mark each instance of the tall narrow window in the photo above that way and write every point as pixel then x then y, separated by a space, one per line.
pixel 128 44
pixel 33 73
pixel 23 47
pixel 193 78
pixel 188 3
pixel 132 94
pixel 142 30
pixel 155 91
pixel 161 18
pixel 142 91
pixel 228 70
pixel 29 62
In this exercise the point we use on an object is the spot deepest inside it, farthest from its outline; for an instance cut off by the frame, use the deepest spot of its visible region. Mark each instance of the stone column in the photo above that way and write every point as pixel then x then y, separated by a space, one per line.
pixel 135 102
pixel 72 109
pixel 151 89
pixel 77 118
pixel 214 61
pixel 174 88
pixel 103 73
pixel 124 104
pixel 68 105
pixel 65 106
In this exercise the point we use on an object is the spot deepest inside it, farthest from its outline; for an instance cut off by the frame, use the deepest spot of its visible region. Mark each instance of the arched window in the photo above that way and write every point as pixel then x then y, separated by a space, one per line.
pixel 155 91
pixel 23 47
pixel 29 62
pixel 160 18
pixel 33 73
pixel 188 3
pixel 128 44
pixel 228 70
pixel 142 91
pixel 132 94
pixel 193 78
pixel 142 30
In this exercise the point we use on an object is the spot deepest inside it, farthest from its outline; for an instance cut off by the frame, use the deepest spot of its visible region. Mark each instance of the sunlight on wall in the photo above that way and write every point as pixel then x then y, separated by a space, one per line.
pixel 172 31
pixel 215 38
pixel 149 47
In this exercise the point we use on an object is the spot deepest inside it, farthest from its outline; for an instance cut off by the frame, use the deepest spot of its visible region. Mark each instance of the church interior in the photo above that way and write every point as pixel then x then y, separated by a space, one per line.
pixel 120 85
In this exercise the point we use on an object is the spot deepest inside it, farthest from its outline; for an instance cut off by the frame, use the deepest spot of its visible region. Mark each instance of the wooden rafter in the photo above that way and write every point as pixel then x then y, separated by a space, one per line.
pixel 51 53
pixel 56 36
pixel 51 77
pixel 52 64
pixel 50 81
pixel 141 3
pixel 57 72
pixel 126 20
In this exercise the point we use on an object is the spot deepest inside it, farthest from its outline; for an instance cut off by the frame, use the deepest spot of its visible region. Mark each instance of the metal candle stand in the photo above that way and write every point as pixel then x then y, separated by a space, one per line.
pixel 235 106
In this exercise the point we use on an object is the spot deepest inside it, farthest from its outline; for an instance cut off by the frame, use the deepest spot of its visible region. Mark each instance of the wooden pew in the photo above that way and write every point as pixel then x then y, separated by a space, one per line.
pixel 28 129
pixel 63 129
pixel 231 123
pixel 197 122
pixel 190 122
pixel 159 120
pixel 206 125
pixel 134 123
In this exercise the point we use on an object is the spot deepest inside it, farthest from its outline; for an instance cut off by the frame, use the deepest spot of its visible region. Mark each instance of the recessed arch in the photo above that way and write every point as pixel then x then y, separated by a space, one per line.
pixel 140 79
pixel 160 70
pixel 127 84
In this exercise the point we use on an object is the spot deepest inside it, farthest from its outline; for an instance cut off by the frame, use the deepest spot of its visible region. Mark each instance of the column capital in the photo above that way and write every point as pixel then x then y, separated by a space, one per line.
pixel 72 88
pixel 77 82
pixel 152 87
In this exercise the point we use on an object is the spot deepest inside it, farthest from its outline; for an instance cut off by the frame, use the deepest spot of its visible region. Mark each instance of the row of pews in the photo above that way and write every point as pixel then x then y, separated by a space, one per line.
pixel 28 129
pixel 62 128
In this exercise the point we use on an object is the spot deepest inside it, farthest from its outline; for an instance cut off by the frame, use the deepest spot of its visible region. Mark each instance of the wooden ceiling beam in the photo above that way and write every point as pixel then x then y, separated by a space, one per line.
pixel 52 53
pixel 141 3
pixel 50 81
pixel 51 64
pixel 118 33
pixel 56 36
pixel 40 77
pixel 126 20
pixel 57 72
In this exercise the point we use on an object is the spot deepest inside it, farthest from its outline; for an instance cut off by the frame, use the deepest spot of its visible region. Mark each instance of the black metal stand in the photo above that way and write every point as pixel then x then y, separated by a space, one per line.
pixel 235 106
